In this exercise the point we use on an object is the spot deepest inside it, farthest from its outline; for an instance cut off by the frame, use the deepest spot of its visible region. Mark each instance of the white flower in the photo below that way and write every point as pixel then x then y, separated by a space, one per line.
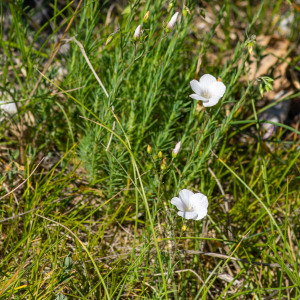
pixel 190 205
pixel 176 149
pixel 137 33
pixel 208 90
pixel 9 108
pixel 172 22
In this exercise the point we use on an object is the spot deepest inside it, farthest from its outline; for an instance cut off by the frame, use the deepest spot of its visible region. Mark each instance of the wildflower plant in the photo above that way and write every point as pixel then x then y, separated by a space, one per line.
pixel 190 205
pixel 92 161
pixel 208 89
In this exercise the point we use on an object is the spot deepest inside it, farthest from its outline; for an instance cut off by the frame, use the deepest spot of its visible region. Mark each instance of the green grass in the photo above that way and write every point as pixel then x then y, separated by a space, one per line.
pixel 85 209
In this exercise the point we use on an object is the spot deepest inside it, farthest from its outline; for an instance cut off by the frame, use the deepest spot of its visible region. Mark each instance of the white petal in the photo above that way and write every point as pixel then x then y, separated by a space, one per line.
pixel 206 80
pixel 200 204
pixel 137 33
pixel 178 203
pixel 188 215
pixel 217 89
pixel 185 195
pixel 211 102
pixel 199 201
pixel 198 97
pixel 195 85
pixel 177 148
pixel 172 21
pixel 201 214
pixel 195 97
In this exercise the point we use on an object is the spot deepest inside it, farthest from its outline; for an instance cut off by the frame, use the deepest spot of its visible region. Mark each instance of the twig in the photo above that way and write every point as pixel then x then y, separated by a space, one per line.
pixel 27 212
pixel 129 233
pixel 67 91
pixel 111 136
pixel 229 278
pixel 19 215
pixel 7 189
pixel 185 270
pixel 97 77
pixel 153 288
pixel 23 181
pixel 88 62
pixel 223 256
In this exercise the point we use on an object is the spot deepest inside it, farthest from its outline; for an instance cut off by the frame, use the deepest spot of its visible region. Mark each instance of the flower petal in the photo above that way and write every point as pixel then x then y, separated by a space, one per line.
pixel 195 85
pixel 137 33
pixel 200 204
pixel 198 97
pixel 206 80
pixel 185 195
pixel 188 215
pixel 217 89
pixel 173 20
pixel 199 201
pixel 178 203
pixel 211 102
pixel 201 214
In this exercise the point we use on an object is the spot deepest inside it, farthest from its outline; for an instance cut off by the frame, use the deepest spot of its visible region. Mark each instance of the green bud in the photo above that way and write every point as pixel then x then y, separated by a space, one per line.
pixel 109 39
pixel 185 11
pixel 163 166
pixel 171 5
pixel 146 17
pixel 149 149
pixel 261 90
pixel 250 48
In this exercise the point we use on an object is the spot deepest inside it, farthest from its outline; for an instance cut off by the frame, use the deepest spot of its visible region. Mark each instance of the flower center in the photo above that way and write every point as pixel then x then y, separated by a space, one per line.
pixel 206 94
pixel 188 208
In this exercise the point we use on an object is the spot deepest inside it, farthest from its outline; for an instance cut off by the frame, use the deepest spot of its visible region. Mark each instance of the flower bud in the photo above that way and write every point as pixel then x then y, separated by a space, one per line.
pixel 250 43
pixel 176 149
pixel 250 48
pixel 109 39
pixel 149 149
pixel 185 11
pixel 172 22
pixel 163 166
pixel 171 5
pixel 160 155
pixel 146 17
pixel 137 33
